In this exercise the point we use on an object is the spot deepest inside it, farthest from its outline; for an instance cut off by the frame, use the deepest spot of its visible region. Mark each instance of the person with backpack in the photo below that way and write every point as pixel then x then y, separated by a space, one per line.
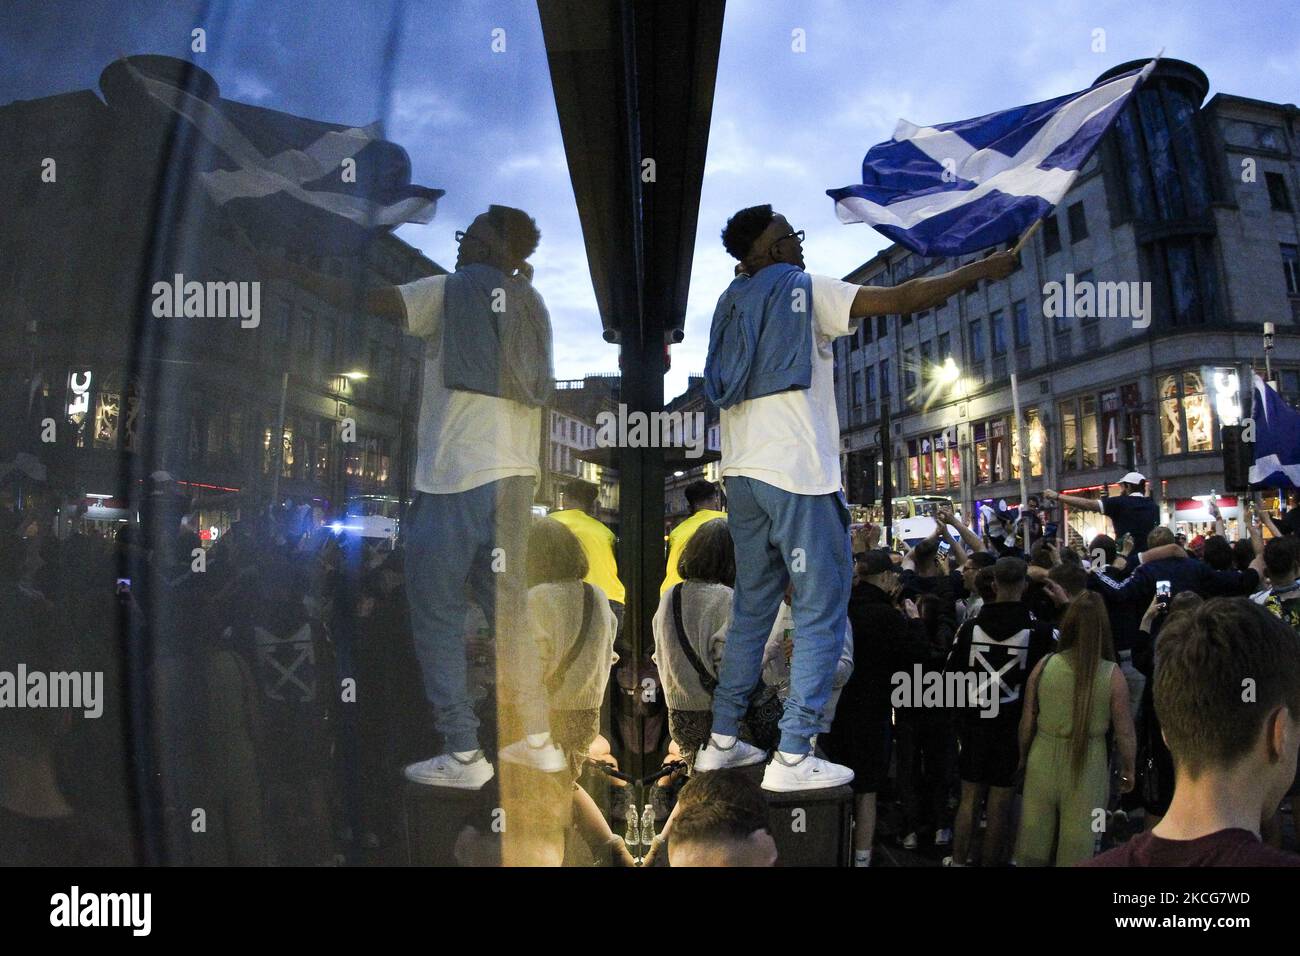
pixel 998 650
pixel 690 631
pixel 574 627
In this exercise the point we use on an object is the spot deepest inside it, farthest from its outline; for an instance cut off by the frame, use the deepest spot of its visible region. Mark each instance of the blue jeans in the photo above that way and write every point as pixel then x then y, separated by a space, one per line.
pixel 450 540
pixel 781 537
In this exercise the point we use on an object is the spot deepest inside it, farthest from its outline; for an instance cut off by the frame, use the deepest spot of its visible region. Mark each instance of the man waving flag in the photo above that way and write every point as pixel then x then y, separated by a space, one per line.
pixel 960 187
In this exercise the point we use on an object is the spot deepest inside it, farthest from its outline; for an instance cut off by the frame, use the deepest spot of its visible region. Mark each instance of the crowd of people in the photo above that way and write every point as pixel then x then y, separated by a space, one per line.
pixel 1036 706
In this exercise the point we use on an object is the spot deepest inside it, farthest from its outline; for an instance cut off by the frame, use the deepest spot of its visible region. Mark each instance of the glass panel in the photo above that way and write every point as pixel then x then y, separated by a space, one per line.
pixel 295 364
pixel 1069 435
pixel 1197 409
pixel 1088 430
pixel 1171 428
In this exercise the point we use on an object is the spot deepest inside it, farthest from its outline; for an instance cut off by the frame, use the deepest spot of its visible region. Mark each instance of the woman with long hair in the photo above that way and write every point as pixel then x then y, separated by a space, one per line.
pixel 1073 696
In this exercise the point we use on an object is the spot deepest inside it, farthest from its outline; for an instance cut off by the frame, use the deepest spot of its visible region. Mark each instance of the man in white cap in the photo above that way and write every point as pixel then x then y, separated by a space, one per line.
pixel 1131 512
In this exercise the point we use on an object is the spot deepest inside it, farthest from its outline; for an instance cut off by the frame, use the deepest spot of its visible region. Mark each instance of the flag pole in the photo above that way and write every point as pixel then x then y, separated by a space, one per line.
pixel 1028 234
pixel 1021 453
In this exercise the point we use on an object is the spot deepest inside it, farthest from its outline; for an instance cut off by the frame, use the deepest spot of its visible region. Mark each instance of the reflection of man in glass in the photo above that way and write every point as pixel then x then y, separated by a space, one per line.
pixel 770 368
pixel 487 373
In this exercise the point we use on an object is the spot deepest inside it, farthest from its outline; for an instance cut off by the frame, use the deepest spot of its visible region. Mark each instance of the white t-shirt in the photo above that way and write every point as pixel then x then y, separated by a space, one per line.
pixel 792 439
pixel 465 439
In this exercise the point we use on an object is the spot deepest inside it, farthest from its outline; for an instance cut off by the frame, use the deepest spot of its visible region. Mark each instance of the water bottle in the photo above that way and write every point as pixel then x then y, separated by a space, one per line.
pixel 633 835
pixel 647 825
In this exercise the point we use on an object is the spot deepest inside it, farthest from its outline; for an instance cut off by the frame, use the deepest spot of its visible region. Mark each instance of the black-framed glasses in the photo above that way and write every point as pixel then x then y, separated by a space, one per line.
pixel 792 235
pixel 461 236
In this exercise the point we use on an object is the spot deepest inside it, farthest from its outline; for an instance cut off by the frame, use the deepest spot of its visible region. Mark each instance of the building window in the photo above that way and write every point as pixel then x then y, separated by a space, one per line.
pixel 870 378
pixel 979 436
pixel 1051 236
pixel 884 378
pixel 1020 311
pixel 945 346
pixel 909 371
pixel 882 326
pixel 1193 404
pixel 1291 268
pixel 1197 412
pixel 998 449
pixel 1069 435
pixel 1288 385
pixel 857 389
pixel 1088 430
pixel 1171 426
pixel 998 333
pixel 1278 197
pixel 1077 221
pixel 977 341
pixel 1037 445
pixel 905 318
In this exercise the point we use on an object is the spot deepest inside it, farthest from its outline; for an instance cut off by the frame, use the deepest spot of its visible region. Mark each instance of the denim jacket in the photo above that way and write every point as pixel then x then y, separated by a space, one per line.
pixel 503 354
pixel 760 342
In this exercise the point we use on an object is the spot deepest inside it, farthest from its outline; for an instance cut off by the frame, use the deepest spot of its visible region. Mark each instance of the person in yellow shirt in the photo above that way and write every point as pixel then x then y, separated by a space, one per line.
pixel 705 502
pixel 596 539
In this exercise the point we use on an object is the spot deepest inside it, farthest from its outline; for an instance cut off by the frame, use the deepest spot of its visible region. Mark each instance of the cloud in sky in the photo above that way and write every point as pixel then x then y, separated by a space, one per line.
pixel 786 125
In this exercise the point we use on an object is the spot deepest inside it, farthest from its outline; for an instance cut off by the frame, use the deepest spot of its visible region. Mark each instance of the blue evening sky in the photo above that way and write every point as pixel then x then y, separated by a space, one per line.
pixel 786 125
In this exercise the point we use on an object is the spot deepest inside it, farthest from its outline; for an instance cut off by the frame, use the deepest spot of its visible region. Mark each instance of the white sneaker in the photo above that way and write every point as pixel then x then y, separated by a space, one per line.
pixel 447 770
pixel 809 772
pixel 548 758
pixel 739 754
pixel 910 841
pixel 942 837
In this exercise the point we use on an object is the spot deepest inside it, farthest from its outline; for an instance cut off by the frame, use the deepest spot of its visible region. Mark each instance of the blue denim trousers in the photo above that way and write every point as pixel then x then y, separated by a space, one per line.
pixel 782 537
pixel 475 541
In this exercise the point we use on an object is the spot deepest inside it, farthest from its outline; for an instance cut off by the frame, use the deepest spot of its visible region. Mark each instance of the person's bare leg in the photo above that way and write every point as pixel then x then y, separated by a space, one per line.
pixel 996 845
pixel 595 832
pixel 864 822
pixel 972 795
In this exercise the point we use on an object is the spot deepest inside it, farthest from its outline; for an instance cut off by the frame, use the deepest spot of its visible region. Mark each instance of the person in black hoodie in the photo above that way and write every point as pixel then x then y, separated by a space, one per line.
pixel 1000 646
pixel 861 733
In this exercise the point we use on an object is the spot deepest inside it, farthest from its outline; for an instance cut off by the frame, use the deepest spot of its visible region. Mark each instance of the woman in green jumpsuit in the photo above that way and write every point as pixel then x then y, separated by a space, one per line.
pixel 1073 696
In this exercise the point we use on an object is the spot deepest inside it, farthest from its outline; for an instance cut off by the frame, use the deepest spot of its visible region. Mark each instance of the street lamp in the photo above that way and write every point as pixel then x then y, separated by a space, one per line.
pixel 948 372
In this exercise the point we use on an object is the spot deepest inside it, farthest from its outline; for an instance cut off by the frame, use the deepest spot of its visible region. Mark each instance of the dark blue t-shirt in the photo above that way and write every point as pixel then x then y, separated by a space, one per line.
pixel 1132 514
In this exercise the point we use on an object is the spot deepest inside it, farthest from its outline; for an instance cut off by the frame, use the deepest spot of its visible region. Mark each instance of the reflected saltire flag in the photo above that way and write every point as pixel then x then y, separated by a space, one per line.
pixel 283 178
pixel 961 187
pixel 1277 440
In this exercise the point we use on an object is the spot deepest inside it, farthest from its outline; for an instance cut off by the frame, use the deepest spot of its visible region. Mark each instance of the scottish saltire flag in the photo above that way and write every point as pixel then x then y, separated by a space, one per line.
pixel 960 187
pixel 1277 440
pixel 284 178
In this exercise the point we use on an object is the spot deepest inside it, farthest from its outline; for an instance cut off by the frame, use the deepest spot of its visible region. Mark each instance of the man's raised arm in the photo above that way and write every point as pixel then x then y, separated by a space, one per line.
pixel 916 295
pixel 384 301
pixel 1083 504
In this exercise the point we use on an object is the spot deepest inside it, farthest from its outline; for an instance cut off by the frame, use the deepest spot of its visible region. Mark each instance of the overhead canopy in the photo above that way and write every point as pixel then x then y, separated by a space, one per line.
pixel 633 85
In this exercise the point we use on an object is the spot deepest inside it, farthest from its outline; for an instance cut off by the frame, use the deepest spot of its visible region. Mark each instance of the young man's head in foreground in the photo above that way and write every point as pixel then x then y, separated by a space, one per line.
pixel 721 820
pixel 1227 691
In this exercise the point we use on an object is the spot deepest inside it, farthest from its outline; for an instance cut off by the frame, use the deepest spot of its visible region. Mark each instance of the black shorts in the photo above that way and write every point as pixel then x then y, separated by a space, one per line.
pixel 990 751
pixel 864 746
